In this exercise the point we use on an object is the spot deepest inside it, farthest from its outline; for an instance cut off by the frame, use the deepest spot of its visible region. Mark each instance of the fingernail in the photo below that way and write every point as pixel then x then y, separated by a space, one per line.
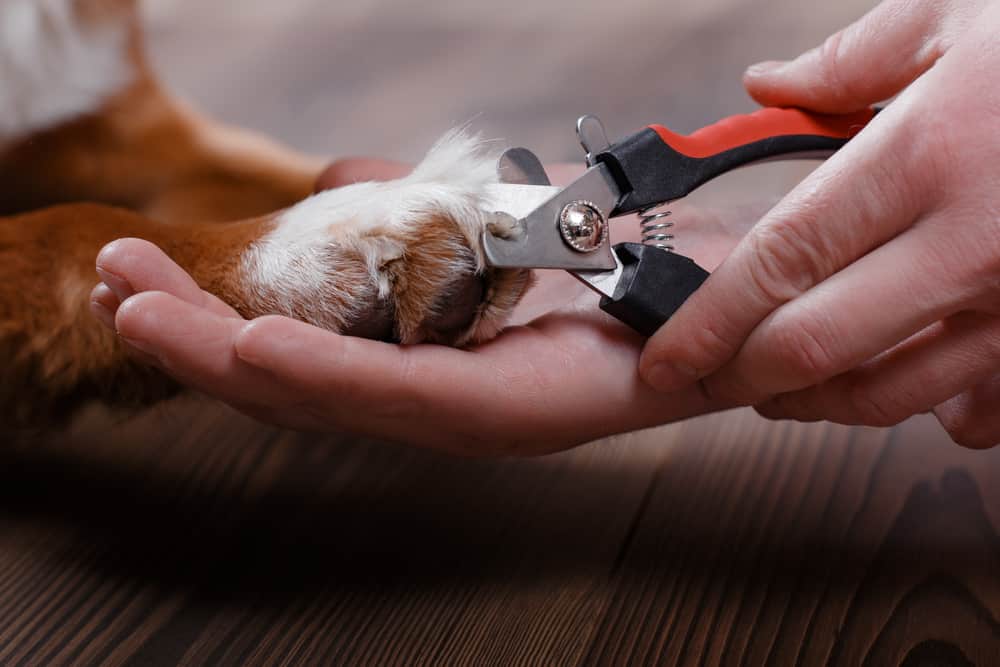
pixel 668 376
pixel 766 68
pixel 103 314
pixel 118 285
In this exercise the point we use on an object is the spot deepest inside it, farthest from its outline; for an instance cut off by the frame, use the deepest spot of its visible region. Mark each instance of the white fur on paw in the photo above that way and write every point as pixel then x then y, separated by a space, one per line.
pixel 377 223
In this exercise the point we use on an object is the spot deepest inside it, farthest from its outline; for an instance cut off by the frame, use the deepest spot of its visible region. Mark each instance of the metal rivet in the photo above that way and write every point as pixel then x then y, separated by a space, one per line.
pixel 583 226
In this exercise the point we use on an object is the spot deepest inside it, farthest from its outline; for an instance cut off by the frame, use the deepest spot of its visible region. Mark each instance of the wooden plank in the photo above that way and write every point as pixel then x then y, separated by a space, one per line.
pixel 725 540
pixel 837 551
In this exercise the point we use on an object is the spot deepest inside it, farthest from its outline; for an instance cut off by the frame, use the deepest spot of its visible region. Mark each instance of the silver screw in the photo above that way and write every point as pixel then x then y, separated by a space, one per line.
pixel 583 226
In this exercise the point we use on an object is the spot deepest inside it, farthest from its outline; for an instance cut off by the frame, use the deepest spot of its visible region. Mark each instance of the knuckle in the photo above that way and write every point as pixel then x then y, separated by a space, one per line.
pixel 831 55
pixel 731 390
pixel 787 258
pixel 882 409
pixel 771 410
pixel 934 142
pixel 703 347
pixel 973 260
pixel 790 406
pixel 964 428
pixel 969 434
pixel 971 437
pixel 804 351
pixel 713 340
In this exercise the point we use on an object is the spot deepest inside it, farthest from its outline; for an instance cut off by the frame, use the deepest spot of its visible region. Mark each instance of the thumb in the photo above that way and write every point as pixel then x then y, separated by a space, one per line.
pixel 867 62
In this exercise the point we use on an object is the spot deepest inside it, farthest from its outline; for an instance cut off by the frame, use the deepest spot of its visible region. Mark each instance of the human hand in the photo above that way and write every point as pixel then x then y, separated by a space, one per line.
pixel 870 293
pixel 566 374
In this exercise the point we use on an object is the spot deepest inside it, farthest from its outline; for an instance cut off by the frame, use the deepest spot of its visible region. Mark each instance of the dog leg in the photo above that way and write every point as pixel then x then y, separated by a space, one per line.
pixel 83 118
pixel 53 354
pixel 399 260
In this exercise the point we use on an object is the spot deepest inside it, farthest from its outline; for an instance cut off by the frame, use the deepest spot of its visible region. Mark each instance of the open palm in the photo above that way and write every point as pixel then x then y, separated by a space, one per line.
pixel 564 373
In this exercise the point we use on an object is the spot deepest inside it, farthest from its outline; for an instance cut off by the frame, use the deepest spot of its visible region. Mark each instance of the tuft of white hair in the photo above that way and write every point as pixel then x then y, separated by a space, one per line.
pixel 374 221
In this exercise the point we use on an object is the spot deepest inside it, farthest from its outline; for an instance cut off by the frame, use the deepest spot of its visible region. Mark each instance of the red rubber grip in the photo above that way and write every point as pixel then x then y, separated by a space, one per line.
pixel 736 131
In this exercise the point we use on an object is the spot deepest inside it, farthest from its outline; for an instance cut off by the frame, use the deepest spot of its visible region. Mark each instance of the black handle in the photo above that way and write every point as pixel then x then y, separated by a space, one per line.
pixel 656 165
pixel 653 285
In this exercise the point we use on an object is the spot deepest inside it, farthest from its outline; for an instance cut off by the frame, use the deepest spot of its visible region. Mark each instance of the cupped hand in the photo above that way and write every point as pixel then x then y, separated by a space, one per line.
pixel 564 374
pixel 872 291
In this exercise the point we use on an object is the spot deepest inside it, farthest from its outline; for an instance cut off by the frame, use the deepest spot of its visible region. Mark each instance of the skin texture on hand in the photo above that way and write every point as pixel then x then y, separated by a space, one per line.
pixel 869 293
pixel 564 374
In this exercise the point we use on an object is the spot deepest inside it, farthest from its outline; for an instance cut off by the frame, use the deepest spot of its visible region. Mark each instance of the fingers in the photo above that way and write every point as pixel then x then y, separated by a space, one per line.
pixel 303 376
pixel 159 311
pixel 103 304
pixel 420 393
pixel 883 298
pixel 356 170
pixel 195 346
pixel 510 396
pixel 130 266
pixel 972 418
pixel 823 225
pixel 925 371
pixel 315 361
pixel 185 338
pixel 867 62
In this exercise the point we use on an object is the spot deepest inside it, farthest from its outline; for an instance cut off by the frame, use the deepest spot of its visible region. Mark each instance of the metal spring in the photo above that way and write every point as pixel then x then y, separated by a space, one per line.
pixel 654 228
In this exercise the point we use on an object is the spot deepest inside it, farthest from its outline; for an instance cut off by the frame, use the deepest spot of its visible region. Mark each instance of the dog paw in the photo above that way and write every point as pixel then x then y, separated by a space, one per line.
pixel 397 260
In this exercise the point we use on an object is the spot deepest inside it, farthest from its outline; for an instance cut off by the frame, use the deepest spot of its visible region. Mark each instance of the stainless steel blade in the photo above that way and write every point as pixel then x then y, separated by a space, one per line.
pixel 538 242
pixel 515 199
pixel 519 165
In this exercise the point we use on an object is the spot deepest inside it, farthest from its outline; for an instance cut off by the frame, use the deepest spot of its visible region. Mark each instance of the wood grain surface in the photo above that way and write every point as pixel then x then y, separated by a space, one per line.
pixel 194 536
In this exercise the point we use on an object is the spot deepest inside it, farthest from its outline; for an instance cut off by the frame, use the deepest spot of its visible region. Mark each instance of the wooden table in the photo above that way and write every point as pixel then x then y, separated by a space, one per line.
pixel 195 536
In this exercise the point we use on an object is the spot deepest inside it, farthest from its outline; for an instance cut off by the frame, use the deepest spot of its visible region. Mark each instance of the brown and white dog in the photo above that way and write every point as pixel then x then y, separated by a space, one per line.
pixel 92 149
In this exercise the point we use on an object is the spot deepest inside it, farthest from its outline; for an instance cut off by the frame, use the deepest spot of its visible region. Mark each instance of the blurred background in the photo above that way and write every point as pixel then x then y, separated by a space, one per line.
pixel 386 78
